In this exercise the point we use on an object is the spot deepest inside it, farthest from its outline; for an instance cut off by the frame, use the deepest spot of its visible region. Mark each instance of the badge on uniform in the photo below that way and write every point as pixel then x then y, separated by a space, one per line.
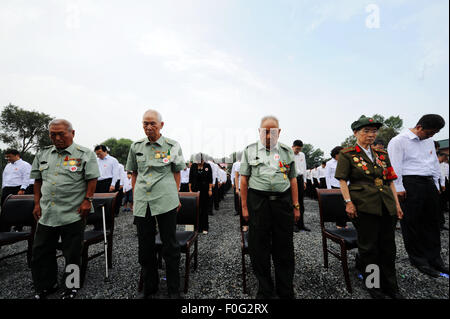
pixel 276 157
pixel 166 160
pixel 73 169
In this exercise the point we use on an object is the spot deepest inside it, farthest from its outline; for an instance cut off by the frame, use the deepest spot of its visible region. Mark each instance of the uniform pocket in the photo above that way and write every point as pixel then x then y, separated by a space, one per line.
pixel 43 168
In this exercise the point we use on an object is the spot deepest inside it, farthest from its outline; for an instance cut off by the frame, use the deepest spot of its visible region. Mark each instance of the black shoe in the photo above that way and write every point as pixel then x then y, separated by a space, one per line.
pixel 395 295
pixel 376 293
pixel 175 295
pixel 69 294
pixel 441 268
pixel 296 229
pixel 428 271
pixel 305 229
pixel 46 292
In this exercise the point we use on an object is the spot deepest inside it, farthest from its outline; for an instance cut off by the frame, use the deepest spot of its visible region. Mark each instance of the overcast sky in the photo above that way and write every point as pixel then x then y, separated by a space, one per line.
pixel 214 68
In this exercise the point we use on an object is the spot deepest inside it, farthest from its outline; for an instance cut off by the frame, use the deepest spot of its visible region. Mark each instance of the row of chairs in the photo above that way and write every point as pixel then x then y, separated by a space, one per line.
pixel 17 210
pixel 332 209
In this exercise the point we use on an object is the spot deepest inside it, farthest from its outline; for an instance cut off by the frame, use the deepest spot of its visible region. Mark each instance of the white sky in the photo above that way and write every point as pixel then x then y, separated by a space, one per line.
pixel 214 68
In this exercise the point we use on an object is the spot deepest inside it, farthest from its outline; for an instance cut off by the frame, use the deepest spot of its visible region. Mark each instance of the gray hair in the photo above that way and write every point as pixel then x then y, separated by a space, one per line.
pixel 269 117
pixel 158 115
pixel 61 121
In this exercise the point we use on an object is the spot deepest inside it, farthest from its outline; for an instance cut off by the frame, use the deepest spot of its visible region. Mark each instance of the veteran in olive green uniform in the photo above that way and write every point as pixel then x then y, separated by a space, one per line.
pixel 66 175
pixel 268 188
pixel 156 162
pixel 371 203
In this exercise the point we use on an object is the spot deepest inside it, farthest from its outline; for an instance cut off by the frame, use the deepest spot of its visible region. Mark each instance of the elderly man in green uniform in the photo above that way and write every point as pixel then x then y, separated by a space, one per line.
pixel 156 162
pixel 371 205
pixel 269 198
pixel 65 178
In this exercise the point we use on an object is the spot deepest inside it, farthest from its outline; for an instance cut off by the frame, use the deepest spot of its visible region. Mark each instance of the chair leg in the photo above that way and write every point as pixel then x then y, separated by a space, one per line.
pixel 344 261
pixel 141 282
pixel 244 274
pixel 84 262
pixel 325 251
pixel 195 254
pixel 186 276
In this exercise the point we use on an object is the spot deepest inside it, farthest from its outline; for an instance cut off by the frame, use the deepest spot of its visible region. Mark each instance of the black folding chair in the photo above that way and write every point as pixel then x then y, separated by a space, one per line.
pixel 332 209
pixel 17 210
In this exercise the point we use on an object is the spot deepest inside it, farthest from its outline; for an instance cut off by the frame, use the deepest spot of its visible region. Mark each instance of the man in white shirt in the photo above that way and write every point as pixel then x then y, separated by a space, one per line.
pixel 16 175
pixel 184 178
pixel 109 170
pixel 315 180
pixel 414 160
pixel 215 196
pixel 300 165
pixel 443 158
pixel 15 179
pixel 235 181
pixel 321 172
pixel 309 184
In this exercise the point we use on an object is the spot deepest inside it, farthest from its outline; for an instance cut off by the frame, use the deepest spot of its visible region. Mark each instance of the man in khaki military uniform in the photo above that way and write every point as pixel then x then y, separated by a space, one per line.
pixel 270 203
pixel 65 178
pixel 156 162
pixel 371 204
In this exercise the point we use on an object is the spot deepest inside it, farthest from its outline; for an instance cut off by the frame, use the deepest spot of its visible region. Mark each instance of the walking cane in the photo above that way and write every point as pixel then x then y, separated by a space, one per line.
pixel 105 242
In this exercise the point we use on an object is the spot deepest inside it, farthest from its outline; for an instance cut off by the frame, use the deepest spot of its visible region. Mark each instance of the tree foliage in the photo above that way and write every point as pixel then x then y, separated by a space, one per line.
pixel 24 130
pixel 119 148
pixel 391 128
pixel 313 156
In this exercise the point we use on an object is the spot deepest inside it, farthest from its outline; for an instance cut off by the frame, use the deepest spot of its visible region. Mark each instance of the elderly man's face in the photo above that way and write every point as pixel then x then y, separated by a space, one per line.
pixel 152 126
pixel 61 137
pixel 269 133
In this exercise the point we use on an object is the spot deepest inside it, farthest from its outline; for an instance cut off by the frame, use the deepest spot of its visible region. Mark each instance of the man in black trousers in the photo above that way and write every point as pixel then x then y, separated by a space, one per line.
pixel 413 157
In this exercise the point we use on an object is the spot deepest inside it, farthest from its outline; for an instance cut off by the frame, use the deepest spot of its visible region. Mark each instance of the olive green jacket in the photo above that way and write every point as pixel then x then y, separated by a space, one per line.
pixel 369 181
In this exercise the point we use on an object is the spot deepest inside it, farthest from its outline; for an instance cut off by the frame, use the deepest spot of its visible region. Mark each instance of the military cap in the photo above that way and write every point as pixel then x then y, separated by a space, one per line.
pixel 365 121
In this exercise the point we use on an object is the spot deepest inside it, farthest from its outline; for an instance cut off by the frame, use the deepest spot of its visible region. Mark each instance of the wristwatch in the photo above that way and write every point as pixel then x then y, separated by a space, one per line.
pixel 296 206
pixel 347 200
pixel 89 199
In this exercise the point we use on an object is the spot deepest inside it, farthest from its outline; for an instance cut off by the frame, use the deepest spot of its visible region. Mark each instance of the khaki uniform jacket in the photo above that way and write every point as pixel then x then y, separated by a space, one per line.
pixel 369 181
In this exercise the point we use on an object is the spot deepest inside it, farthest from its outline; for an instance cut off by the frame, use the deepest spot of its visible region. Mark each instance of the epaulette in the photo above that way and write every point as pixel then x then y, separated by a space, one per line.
pixel 251 145
pixel 379 150
pixel 348 149
pixel 81 148
pixel 285 146
pixel 141 141
pixel 170 141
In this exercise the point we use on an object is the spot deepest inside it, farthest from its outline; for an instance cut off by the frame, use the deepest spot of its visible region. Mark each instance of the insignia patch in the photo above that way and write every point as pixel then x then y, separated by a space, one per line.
pixel 276 157
pixel 73 169
pixel 166 160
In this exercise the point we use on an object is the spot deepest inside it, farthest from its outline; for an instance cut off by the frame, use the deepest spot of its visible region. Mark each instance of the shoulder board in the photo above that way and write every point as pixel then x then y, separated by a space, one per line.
pixel 251 145
pixel 170 141
pixel 82 149
pixel 348 149
pixel 285 147
pixel 379 151
pixel 140 141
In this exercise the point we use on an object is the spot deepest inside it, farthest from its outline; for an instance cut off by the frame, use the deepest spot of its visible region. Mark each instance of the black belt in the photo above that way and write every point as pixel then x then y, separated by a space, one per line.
pixel 270 195
pixel 419 177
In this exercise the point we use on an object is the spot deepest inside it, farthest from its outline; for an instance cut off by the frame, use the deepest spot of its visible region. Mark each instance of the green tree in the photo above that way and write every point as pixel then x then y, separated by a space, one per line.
pixel 313 156
pixel 119 148
pixel 24 130
pixel 391 127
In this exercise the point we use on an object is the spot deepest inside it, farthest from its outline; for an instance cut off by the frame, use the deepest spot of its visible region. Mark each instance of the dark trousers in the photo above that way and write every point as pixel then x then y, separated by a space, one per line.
pixel 203 223
pixel 420 223
pixel 314 187
pixel 301 195
pixel 146 230
pixel 309 188
pixel 216 196
pixel 323 183
pixel 184 187
pixel 44 268
pixel 236 201
pixel 271 234
pixel 376 245
pixel 103 186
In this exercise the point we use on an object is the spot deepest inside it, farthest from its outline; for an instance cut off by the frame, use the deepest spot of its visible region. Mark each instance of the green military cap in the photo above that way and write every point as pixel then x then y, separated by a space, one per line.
pixel 365 121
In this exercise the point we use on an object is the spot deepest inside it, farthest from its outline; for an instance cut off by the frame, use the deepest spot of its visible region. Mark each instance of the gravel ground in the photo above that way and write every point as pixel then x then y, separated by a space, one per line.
pixel 219 270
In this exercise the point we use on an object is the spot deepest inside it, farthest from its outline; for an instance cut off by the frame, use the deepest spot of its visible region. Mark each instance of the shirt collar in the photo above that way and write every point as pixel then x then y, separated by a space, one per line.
pixel 69 149
pixel 263 147
pixel 159 141
pixel 411 135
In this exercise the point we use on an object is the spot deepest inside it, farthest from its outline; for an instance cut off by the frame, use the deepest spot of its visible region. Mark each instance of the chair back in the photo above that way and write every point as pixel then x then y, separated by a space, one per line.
pixel 18 210
pixel 189 211
pixel 331 206
pixel 103 199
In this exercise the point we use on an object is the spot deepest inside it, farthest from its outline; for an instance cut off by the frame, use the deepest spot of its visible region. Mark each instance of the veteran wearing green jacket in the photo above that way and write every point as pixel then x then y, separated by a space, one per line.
pixel 371 204
pixel 156 162
pixel 65 178
pixel 270 204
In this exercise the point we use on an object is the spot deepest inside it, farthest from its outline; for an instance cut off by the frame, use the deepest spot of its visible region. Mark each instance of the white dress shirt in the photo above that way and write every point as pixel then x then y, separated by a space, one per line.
pixel 321 172
pixel 233 171
pixel 17 174
pixel 308 174
pixel 236 171
pixel 300 163
pixel 222 176
pixel 122 174
pixel 368 152
pixel 109 168
pixel 330 171
pixel 214 169
pixel 411 156
pixel 184 175
pixel 444 170
pixel 127 186
pixel 314 173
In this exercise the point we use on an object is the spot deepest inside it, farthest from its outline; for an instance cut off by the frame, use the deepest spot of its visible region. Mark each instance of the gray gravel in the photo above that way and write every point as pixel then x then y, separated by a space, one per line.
pixel 219 271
